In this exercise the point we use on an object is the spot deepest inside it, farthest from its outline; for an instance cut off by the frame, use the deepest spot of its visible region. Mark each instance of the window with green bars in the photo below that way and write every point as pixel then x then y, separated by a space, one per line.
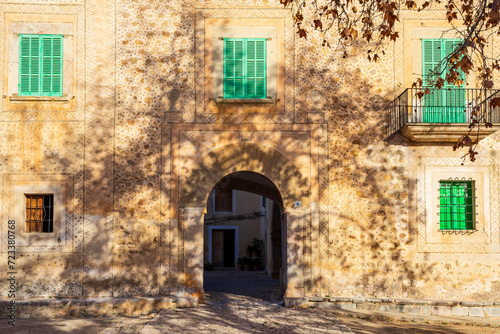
pixel 40 65
pixel 446 105
pixel 245 68
pixel 457 204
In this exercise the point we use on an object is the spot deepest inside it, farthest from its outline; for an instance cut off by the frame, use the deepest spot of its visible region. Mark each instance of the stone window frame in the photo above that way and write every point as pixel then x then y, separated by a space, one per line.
pixel 434 174
pixel 271 28
pixel 470 206
pixel 414 32
pixel 34 24
pixel 26 238
pixel 224 212
pixel 236 241
pixel 486 238
pixel 15 188
pixel 270 34
pixel 36 217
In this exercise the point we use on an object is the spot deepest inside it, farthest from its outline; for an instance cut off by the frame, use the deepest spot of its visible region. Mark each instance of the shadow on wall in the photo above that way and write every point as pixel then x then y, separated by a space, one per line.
pixel 368 237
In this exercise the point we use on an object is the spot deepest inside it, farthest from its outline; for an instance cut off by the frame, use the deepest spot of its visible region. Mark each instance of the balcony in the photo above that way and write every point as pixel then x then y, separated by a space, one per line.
pixel 443 116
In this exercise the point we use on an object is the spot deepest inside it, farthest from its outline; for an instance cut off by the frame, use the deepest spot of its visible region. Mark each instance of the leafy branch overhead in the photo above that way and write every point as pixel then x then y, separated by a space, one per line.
pixel 341 22
pixel 475 23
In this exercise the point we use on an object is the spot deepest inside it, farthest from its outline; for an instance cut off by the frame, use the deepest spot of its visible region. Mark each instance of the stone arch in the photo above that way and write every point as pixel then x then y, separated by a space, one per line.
pixel 232 158
pixel 199 181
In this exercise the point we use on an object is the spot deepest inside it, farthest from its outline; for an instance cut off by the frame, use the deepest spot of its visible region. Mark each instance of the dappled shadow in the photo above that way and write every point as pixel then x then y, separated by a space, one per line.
pixel 254 284
pixel 129 236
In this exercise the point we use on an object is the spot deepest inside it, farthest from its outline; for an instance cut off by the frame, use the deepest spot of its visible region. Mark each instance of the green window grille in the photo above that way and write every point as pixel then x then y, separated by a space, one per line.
pixel 446 105
pixel 457 205
pixel 245 68
pixel 40 65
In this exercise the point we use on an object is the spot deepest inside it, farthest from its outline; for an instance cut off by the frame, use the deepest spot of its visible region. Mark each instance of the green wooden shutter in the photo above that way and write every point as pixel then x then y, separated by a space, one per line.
pixel 453 95
pixel 433 102
pixel 51 65
pixel 29 65
pixel 40 65
pixel 456 203
pixel 446 105
pixel 256 68
pixel 445 206
pixel 245 68
pixel 234 62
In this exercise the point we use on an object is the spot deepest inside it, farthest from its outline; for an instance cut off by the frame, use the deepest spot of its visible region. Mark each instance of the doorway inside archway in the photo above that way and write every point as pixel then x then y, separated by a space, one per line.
pixel 244 237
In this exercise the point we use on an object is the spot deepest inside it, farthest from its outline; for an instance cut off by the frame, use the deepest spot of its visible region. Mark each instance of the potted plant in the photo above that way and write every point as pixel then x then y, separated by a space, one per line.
pixel 257 264
pixel 239 264
pixel 249 250
pixel 257 248
pixel 247 263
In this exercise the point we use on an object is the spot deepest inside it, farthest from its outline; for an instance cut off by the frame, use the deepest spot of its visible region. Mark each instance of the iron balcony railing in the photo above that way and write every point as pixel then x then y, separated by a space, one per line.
pixel 442 106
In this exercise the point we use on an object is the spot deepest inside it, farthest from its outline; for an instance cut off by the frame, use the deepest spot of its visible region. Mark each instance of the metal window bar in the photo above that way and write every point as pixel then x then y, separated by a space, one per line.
pixel 449 105
pixel 39 213
pixel 457 205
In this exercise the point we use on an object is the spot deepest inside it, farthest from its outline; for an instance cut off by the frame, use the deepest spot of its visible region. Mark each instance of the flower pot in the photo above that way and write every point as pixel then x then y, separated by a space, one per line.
pixel 258 266
pixel 256 254
pixel 239 267
pixel 248 267
pixel 248 254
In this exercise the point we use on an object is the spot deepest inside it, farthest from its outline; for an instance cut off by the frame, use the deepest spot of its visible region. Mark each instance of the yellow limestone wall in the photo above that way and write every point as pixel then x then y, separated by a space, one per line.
pixel 139 145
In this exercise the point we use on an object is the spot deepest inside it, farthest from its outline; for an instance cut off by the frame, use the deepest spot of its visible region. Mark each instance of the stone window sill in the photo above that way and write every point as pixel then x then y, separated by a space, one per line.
pixel 457 231
pixel 50 99
pixel 245 101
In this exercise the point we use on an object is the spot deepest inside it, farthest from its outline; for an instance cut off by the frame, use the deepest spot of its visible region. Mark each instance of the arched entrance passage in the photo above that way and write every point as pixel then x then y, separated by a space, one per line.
pixel 242 207
pixel 212 168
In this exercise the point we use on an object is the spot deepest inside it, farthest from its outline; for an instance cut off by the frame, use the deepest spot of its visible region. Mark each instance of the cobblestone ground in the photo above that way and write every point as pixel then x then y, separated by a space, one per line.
pixel 252 284
pixel 243 302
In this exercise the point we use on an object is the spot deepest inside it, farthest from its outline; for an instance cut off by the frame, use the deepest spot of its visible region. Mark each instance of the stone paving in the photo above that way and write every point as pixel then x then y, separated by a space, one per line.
pixel 248 302
pixel 244 302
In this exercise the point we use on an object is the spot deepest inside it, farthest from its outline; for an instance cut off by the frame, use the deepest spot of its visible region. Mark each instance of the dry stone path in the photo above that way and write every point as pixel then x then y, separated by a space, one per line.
pixel 244 302
pixel 236 314
pixel 237 302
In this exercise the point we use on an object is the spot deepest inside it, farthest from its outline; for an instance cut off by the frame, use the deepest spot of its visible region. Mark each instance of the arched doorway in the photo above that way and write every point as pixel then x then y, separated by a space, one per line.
pixel 244 231
pixel 196 186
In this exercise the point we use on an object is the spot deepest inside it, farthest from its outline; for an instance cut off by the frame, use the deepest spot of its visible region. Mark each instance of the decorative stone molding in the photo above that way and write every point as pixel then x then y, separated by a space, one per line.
pixel 490 205
pixel 286 113
pixel 70 21
pixel 62 186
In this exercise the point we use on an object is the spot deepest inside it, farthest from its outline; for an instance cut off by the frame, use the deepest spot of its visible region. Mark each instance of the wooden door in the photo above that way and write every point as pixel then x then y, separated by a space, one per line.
pixel 229 248
pixel 218 248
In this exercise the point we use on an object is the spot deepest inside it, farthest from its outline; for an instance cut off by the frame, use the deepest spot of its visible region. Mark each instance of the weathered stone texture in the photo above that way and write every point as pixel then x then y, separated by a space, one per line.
pixel 460 311
pixel 140 157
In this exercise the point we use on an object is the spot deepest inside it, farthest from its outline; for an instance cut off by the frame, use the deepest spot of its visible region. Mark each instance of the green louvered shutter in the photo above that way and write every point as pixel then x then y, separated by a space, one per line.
pixel 244 68
pixel 51 65
pixel 29 65
pixel 256 68
pixel 433 102
pixel 454 96
pixel 234 63
pixel 40 65
pixel 446 105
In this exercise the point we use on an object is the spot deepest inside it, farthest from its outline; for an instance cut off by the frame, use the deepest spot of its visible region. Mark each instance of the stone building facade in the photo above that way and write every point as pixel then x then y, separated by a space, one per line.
pixel 141 133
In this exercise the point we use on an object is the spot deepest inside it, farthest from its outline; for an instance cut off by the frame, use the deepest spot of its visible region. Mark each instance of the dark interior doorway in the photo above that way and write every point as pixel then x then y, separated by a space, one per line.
pixel 245 210
pixel 223 248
